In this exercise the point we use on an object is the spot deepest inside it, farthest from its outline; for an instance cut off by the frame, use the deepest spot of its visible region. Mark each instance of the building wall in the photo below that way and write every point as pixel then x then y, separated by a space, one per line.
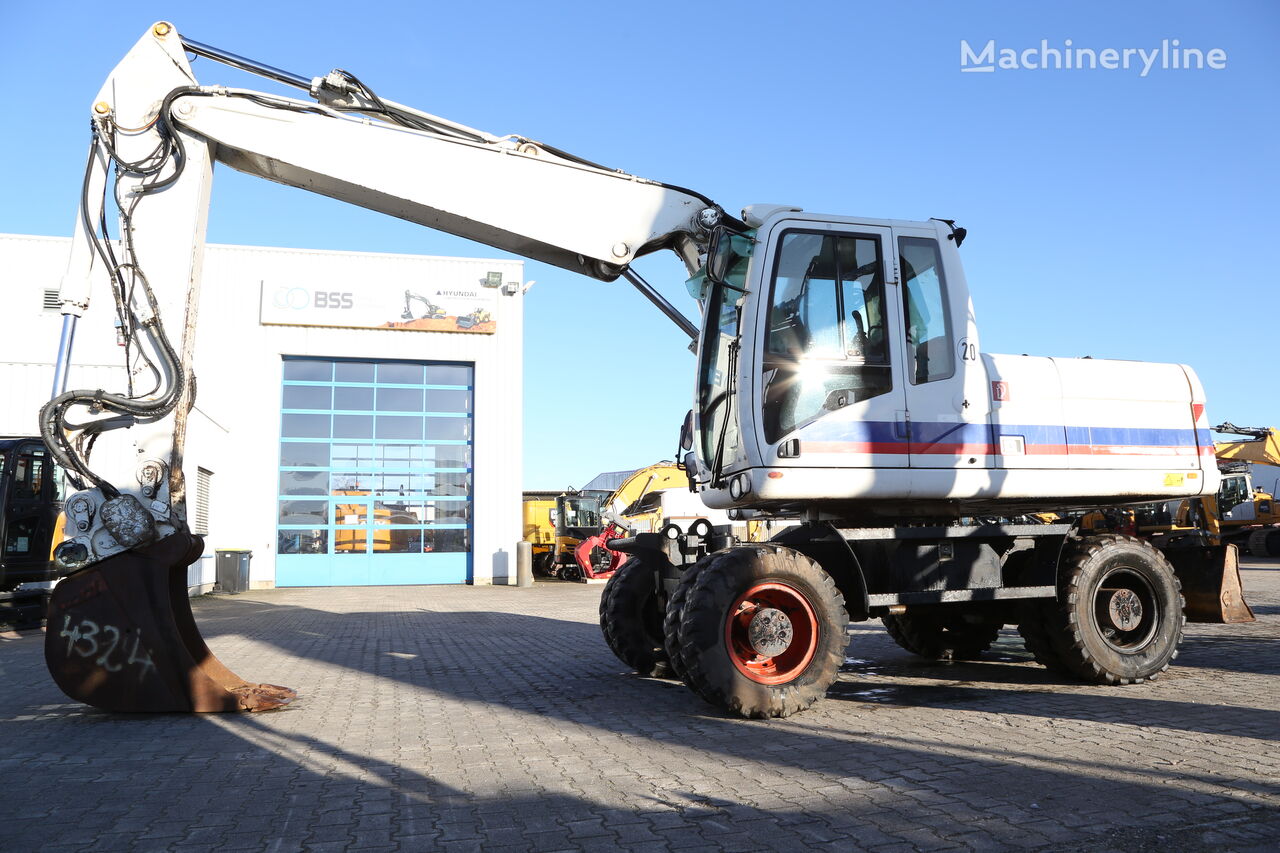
pixel 234 431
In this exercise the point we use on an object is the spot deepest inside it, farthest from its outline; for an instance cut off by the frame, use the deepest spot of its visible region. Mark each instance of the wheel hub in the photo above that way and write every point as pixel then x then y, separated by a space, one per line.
pixel 1124 608
pixel 770 632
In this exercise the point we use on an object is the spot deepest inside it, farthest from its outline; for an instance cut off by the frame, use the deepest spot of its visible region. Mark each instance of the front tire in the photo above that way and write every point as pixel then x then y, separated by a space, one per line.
pixel 631 616
pixel 675 614
pixel 1119 616
pixel 763 632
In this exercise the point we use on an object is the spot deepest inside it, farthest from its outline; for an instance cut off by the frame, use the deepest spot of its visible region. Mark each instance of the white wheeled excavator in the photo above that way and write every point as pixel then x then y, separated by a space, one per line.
pixel 841 382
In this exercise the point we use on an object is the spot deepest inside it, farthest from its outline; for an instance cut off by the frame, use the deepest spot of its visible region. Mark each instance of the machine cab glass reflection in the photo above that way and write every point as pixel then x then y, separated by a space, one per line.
pixel 827 339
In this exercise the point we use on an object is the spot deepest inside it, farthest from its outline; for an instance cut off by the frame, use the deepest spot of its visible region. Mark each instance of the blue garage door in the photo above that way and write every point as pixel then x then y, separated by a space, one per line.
pixel 375 473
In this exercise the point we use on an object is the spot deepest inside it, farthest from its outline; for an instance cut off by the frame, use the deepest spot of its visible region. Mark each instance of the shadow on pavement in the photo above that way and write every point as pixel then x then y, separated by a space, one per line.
pixel 580 722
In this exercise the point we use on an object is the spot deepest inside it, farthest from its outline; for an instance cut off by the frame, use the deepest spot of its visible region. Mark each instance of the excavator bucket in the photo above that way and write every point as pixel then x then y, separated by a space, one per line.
pixel 121 637
pixel 1210 576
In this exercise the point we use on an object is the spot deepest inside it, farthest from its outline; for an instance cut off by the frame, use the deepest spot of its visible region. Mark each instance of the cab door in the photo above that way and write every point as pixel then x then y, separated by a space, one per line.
pixel 830 392
pixel 942 375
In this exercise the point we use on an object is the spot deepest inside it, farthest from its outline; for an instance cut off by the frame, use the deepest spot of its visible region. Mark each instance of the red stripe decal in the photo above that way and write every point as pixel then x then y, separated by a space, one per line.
pixel 891 448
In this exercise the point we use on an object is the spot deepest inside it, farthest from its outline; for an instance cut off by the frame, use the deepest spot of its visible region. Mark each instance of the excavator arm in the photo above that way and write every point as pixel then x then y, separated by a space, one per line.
pixel 157 131
pixel 1262 445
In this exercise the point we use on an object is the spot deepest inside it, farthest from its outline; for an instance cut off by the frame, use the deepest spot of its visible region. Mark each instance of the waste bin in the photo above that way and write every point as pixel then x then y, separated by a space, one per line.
pixel 232 568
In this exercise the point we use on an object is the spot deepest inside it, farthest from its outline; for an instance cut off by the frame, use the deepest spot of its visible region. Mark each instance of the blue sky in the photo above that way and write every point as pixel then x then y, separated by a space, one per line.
pixel 1109 214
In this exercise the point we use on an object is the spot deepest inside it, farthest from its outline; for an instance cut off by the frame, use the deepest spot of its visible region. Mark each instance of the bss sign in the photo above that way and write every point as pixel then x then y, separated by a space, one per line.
pixel 332 299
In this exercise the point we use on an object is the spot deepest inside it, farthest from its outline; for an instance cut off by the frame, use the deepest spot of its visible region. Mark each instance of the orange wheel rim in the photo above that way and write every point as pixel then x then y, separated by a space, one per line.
pixel 772 633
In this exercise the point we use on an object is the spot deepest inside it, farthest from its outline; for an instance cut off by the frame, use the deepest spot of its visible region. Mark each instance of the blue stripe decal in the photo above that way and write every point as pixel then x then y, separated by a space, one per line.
pixel 1141 437
pixel 945 432
pixel 880 432
pixel 1034 434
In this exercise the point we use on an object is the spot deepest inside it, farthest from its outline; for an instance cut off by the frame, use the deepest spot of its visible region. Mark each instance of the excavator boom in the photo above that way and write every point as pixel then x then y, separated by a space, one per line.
pixel 157 133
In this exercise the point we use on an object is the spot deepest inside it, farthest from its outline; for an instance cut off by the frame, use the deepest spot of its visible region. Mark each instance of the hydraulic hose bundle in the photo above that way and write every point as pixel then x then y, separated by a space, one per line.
pixel 128 284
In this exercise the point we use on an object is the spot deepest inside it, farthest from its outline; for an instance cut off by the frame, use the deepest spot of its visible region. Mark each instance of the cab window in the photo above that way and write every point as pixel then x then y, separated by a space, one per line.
pixel 826 343
pixel 29 471
pixel 1232 493
pixel 930 355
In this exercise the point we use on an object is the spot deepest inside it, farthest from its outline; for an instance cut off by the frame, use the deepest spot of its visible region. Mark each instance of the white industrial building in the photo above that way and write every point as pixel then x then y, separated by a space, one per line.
pixel 358 415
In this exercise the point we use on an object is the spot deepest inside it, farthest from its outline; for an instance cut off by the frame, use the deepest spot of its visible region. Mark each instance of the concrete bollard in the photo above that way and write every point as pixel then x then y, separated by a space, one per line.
pixel 524 564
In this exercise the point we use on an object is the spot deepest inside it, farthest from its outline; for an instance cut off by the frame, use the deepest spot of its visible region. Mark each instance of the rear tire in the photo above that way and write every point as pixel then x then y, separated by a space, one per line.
pixel 1119 615
pixel 763 632
pixel 631 617
pixel 1034 620
pixel 939 636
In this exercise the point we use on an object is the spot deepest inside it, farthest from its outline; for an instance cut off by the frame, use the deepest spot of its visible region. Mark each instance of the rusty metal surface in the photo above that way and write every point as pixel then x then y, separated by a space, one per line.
pixel 121 637
pixel 1210 576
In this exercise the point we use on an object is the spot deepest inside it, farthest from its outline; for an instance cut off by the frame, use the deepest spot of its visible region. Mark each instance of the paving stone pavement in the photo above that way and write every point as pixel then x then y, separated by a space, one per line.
pixel 466 719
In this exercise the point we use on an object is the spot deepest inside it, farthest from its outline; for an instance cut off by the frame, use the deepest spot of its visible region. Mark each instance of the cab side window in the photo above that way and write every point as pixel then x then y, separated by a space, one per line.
pixel 28 476
pixel 930 354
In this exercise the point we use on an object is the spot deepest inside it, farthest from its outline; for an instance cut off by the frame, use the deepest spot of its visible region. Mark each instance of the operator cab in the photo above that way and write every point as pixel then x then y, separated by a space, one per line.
pixel 1235 498
pixel 823 336
pixel 31 496
pixel 577 516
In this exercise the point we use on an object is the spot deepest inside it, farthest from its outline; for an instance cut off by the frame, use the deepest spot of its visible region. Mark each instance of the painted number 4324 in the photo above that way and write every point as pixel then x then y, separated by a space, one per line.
pixel 102 644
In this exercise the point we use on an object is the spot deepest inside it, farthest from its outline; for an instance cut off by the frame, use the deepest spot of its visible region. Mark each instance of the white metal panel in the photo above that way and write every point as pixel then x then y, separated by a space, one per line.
pixel 1025 397
pixel 1128 415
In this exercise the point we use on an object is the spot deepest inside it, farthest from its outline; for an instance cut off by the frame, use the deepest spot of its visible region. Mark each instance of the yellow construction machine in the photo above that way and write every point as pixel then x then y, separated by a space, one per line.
pixel 1240 513
pixel 30 529
pixel 567 529
pixel 555 523
pixel 592 558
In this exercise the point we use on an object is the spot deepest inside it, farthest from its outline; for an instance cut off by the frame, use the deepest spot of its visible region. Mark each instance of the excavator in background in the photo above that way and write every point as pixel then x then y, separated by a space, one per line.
pixel 841 382
pixel 1240 513
pixel 555 523
pixel 592 555
pixel 30 529
pixel 663 503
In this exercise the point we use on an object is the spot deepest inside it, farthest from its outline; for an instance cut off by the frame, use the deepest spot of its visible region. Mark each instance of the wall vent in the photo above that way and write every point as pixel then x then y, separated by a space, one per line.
pixel 200 520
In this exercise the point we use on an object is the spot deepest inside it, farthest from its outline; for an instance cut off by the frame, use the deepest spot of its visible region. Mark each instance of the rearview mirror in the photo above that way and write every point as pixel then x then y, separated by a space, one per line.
pixel 686 432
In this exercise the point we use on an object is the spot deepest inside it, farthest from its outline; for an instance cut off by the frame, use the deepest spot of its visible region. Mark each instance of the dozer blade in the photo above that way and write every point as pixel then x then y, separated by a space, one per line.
pixel 121 637
pixel 1210 576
